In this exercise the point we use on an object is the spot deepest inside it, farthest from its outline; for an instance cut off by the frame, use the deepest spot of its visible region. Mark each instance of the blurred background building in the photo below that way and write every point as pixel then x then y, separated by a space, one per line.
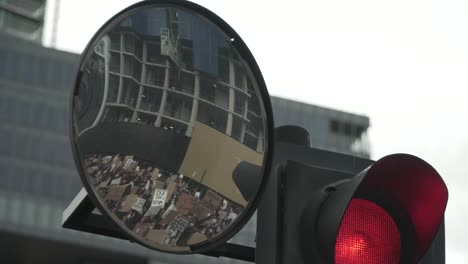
pixel 23 18
pixel 37 174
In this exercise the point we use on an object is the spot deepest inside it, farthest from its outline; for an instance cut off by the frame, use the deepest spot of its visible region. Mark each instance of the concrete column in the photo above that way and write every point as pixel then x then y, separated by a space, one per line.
pixel 119 93
pixel 260 142
pixel 194 113
pixel 142 80
pixel 164 96
pixel 231 98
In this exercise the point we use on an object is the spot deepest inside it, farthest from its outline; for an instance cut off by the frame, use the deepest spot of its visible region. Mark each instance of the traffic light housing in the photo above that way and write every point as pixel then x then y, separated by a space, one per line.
pixel 335 208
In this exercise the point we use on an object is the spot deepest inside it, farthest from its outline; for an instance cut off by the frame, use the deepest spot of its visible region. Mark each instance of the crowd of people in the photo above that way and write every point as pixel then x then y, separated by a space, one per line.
pixel 160 206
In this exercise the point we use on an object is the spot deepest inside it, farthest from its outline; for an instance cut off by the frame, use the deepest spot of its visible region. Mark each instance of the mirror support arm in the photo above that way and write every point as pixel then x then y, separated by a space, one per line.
pixel 80 215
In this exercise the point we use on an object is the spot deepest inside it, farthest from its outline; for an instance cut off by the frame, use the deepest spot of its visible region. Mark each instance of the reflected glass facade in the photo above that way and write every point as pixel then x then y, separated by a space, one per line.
pixel 36 167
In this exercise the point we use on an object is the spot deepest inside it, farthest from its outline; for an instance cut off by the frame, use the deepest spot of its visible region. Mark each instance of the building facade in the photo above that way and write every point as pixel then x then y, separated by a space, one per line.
pixel 23 18
pixel 38 176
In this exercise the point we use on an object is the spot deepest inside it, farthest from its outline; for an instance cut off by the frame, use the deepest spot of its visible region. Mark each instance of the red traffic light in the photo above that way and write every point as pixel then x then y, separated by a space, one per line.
pixel 413 192
pixel 367 235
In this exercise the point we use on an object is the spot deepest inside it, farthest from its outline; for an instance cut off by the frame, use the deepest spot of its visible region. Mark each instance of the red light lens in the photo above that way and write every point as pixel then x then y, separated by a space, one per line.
pixel 367 235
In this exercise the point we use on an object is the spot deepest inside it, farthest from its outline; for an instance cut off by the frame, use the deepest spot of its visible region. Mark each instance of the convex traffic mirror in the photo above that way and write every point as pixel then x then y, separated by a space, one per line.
pixel 171 126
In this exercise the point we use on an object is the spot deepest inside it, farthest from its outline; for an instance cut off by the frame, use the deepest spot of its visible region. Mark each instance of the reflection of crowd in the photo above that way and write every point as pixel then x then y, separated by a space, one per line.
pixel 163 207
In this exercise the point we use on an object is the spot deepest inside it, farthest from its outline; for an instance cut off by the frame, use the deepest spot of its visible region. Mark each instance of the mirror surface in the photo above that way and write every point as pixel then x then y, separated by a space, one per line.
pixel 165 112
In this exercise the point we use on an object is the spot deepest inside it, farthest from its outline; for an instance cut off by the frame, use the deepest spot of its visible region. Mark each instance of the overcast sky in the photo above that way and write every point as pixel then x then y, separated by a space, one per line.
pixel 403 63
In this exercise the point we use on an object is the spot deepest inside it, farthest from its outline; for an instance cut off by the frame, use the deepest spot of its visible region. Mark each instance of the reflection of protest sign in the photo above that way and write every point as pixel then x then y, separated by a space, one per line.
pixel 159 197
pixel 212 199
pixel 139 204
pixel 116 192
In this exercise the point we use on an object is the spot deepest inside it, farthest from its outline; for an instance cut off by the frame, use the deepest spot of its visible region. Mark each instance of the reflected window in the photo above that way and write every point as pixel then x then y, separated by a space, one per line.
pixel 207 89
pixel 212 116
pixel 254 103
pixel 239 76
pixel 153 53
pixel 222 96
pixel 186 83
pixel 239 102
pixel 187 57
pixel 113 91
pixel 151 99
pixel 146 119
pixel 178 106
pixel 115 41
pixel 155 75
pixel 129 92
pixel 173 125
pixel 132 67
pixel 117 114
pixel 238 128
pixel 114 64
pixel 132 44
pixel 250 141
pixel 223 69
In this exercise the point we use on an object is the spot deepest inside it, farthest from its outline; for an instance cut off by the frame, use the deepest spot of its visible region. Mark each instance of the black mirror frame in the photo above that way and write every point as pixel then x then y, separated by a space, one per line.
pixel 242 48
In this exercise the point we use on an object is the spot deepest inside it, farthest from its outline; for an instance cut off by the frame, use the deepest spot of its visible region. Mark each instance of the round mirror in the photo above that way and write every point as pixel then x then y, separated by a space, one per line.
pixel 171 126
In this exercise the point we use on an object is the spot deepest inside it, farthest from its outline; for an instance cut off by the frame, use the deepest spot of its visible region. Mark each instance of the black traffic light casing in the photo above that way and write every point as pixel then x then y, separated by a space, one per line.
pixel 309 193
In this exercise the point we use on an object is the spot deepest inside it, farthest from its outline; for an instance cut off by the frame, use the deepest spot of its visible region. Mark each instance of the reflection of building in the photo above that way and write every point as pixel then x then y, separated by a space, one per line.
pixel 143 81
pixel 24 19
pixel 38 175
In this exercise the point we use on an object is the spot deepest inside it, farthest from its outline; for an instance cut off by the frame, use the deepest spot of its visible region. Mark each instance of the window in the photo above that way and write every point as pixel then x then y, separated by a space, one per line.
pixel 239 103
pixel 129 92
pixel 334 126
pixel 155 75
pixel 207 89
pixel 6 141
pixel 223 69
pixel 114 64
pixel 132 67
pixel 178 106
pixel 113 91
pixel 115 41
pixel 239 76
pixel 153 54
pixel 347 129
pixel 151 99
pixel 38 115
pixel 3 62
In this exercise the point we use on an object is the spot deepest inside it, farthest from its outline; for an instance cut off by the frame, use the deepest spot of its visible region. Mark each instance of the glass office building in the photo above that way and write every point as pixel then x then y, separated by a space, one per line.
pixel 38 177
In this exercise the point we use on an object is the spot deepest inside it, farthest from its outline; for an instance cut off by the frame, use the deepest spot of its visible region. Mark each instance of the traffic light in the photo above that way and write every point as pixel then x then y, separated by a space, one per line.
pixel 335 208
